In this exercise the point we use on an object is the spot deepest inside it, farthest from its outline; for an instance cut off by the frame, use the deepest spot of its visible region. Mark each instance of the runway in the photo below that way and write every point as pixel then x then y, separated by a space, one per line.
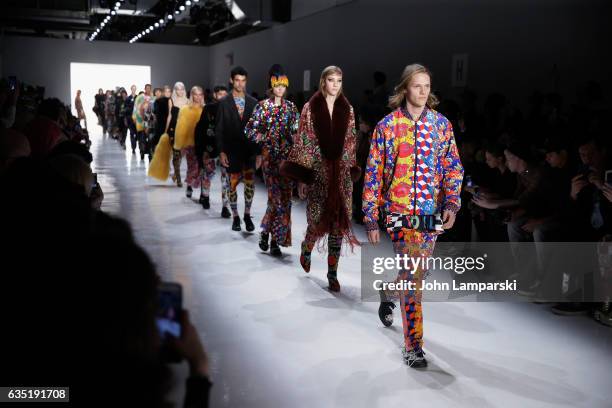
pixel 276 337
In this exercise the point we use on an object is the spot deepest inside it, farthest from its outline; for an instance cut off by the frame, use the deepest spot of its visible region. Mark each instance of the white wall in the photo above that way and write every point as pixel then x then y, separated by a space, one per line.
pixel 43 61
pixel 512 45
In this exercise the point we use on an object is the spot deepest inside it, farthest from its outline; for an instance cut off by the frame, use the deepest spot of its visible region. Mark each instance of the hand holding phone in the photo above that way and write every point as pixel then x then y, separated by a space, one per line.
pixel 170 306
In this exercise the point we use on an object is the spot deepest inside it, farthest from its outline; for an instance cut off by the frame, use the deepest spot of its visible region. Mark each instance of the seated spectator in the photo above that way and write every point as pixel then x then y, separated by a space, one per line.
pixel 45 131
pixel 499 183
pixel 13 145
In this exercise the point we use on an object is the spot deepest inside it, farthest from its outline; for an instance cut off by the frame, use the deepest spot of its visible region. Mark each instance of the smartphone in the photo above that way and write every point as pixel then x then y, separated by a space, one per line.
pixel 169 307
pixel 608 177
pixel 95 180
pixel 468 181
pixel 12 82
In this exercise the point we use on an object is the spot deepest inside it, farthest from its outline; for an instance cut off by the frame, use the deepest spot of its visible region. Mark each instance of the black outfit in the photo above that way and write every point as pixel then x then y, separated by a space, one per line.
pixel 129 109
pixel 176 154
pixel 205 141
pixel 229 132
pixel 161 117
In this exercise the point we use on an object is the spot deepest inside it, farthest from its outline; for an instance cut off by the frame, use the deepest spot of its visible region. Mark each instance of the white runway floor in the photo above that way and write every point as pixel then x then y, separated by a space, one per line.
pixel 276 337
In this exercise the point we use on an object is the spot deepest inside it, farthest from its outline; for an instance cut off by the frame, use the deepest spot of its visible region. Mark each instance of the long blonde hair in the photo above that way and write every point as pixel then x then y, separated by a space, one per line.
pixel 398 99
pixel 179 101
pixel 332 69
pixel 195 88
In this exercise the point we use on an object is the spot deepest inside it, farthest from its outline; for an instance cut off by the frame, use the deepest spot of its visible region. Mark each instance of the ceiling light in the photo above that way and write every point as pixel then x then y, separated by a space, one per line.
pixel 156 24
pixel 182 8
pixel 169 16
pixel 188 3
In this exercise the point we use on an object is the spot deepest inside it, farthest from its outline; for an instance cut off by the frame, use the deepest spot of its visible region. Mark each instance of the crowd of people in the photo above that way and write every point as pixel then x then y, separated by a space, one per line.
pixel 492 176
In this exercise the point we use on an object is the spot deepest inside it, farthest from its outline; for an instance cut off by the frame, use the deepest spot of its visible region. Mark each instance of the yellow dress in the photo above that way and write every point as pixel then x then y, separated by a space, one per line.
pixel 184 135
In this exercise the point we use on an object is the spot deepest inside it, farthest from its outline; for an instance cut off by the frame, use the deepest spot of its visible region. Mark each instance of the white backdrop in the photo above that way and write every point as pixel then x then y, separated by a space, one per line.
pixel 90 77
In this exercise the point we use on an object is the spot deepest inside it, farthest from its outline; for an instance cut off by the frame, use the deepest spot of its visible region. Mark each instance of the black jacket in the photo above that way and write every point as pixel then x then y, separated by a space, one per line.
pixel 229 132
pixel 205 141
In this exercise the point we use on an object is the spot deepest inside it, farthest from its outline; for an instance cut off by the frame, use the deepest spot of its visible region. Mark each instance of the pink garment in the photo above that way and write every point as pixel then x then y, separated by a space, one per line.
pixel 43 135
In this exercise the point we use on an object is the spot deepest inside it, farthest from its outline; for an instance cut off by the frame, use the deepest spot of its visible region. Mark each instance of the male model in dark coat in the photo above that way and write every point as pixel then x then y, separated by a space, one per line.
pixel 236 152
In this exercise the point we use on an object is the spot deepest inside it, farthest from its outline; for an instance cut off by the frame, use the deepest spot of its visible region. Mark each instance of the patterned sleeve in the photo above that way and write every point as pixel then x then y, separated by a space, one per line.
pixel 298 165
pixel 255 128
pixel 372 183
pixel 294 120
pixel 453 172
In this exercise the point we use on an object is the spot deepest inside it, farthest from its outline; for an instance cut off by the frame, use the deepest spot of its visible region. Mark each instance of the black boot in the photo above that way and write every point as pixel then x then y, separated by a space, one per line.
pixel 275 249
pixel 189 191
pixel 263 241
pixel 385 310
pixel 225 213
pixel 236 224
pixel 205 202
pixel 248 223
pixel 414 358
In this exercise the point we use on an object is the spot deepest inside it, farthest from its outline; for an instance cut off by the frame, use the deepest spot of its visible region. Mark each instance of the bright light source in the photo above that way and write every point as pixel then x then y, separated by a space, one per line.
pixel 169 16
pixel 117 4
pixel 188 3
pixel 177 12
pixel 182 8
pixel 256 22
pixel 161 21
pixel 156 24
pixel 113 12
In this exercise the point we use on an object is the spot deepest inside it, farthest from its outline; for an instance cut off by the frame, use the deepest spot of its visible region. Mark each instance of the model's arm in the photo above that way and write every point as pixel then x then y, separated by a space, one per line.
pixel 372 184
pixel 219 128
pixel 298 165
pixel 256 128
pixel 453 172
pixel 294 122
pixel 169 118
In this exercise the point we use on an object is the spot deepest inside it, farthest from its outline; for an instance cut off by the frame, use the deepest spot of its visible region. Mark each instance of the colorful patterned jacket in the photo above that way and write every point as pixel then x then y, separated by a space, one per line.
pixel 436 169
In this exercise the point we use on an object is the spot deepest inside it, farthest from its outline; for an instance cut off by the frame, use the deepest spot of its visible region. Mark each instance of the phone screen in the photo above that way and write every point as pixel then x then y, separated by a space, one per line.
pixel 170 301
pixel 12 81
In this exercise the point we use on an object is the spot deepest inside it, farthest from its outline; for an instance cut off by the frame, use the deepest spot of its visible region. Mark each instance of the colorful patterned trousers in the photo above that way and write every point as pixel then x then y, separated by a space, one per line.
pixel 247 176
pixel 277 220
pixel 207 174
pixel 193 168
pixel 414 244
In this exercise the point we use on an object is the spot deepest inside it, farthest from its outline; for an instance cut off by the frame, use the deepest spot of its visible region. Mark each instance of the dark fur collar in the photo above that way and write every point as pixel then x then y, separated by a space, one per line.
pixel 330 131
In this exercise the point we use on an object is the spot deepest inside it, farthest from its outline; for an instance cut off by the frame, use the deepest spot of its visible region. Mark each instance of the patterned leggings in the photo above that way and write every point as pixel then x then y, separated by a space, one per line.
pixel 414 244
pixel 193 168
pixel 247 176
pixel 207 174
pixel 334 244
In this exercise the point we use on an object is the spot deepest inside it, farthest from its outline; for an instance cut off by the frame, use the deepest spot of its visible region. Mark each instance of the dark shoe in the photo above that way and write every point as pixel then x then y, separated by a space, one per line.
pixel 141 156
pixel 305 258
pixel 569 309
pixel 205 201
pixel 150 157
pixel 225 213
pixel 275 249
pixel 603 314
pixel 385 313
pixel 248 223
pixel 133 151
pixel 414 358
pixel 334 285
pixel 263 241
pixel 236 224
pixel 189 192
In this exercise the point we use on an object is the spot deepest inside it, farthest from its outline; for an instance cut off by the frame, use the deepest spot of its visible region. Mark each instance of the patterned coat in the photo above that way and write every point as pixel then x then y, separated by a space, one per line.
pixel 273 126
pixel 323 156
pixel 434 162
